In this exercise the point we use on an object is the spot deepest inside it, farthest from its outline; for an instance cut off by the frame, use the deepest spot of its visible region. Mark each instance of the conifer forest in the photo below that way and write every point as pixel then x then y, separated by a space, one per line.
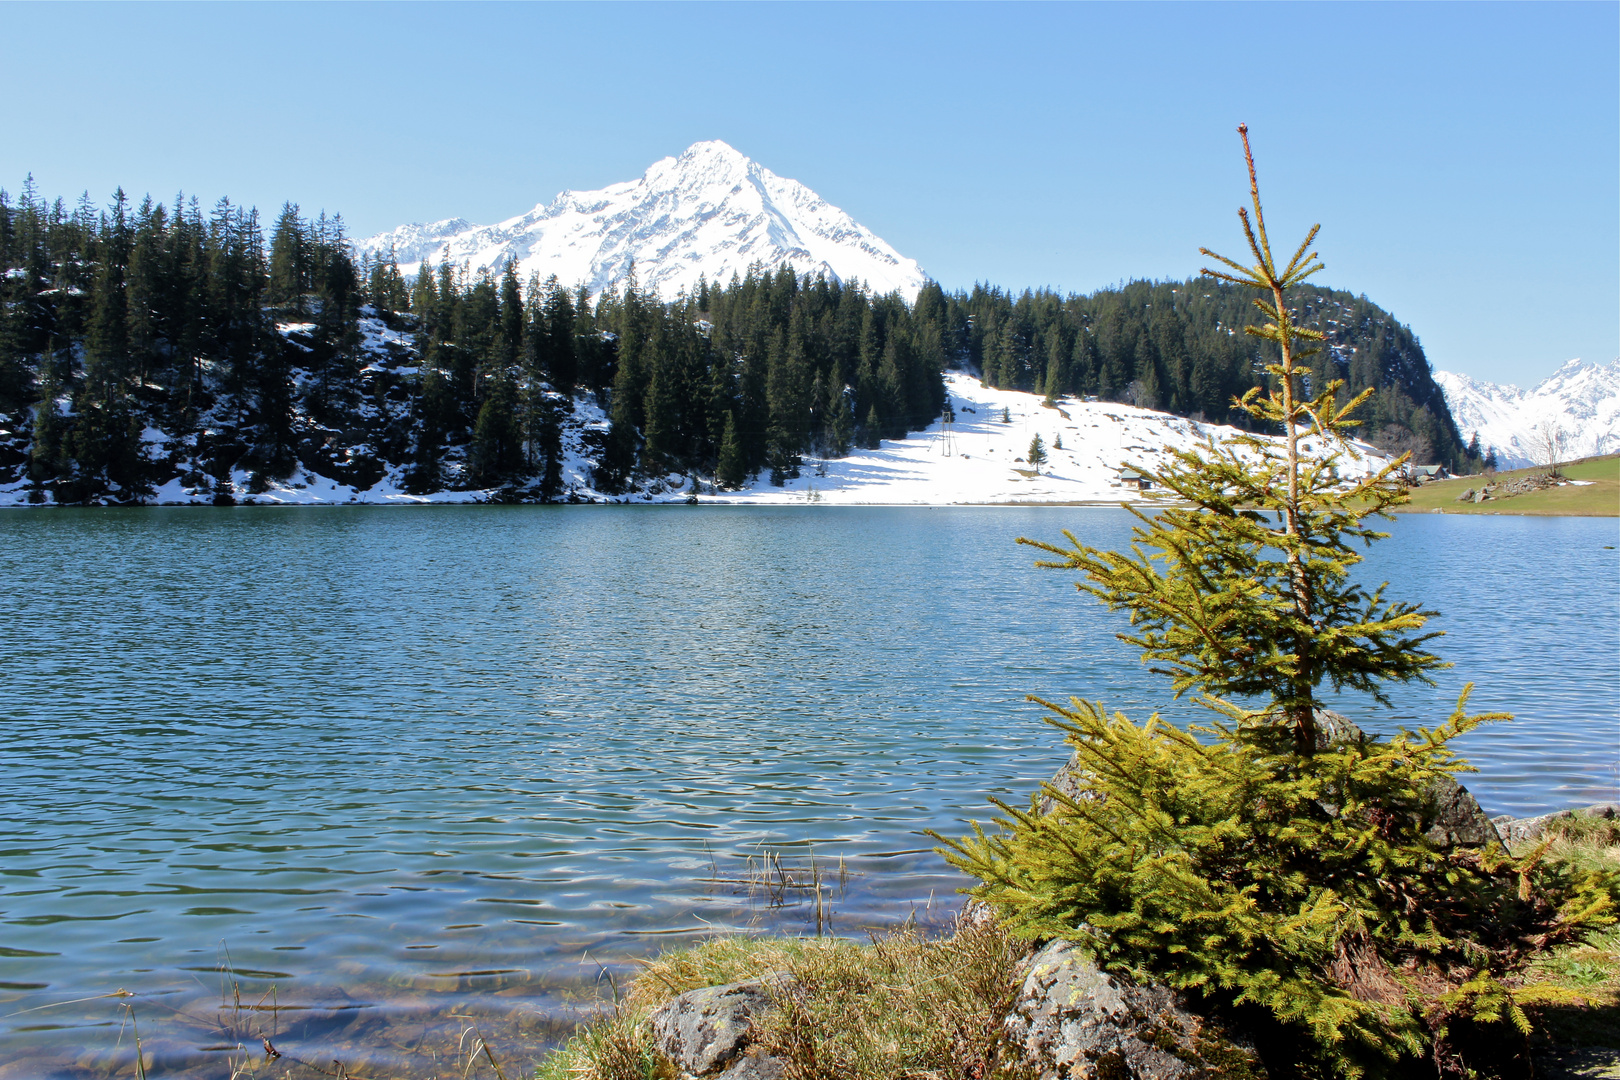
pixel 144 343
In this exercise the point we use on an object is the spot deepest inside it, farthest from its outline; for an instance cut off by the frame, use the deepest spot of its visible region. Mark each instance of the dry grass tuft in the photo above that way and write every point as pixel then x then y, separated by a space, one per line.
pixel 905 1006
pixel 902 1007
pixel 615 1046
pixel 1588 971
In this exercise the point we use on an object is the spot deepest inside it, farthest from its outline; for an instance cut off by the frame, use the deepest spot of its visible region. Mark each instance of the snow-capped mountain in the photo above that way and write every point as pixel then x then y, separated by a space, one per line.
pixel 712 212
pixel 1582 397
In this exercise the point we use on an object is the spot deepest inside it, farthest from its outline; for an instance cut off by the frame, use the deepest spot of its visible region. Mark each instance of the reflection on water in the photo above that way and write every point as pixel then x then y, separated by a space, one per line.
pixel 368 779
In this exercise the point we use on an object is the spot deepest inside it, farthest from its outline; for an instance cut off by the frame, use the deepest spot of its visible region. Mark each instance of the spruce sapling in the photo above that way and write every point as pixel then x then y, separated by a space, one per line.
pixel 1267 868
pixel 1037 453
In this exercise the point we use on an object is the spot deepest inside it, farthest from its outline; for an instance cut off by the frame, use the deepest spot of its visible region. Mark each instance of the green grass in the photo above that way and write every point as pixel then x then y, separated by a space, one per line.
pixel 903 1007
pixel 1600 499
pixel 1586 974
pixel 908 1007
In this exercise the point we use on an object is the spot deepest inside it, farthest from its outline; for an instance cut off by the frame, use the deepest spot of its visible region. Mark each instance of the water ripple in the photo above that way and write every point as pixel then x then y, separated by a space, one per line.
pixel 390 761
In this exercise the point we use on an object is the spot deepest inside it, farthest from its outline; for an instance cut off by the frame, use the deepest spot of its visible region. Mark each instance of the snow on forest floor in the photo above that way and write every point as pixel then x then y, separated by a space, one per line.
pixel 982 459
pixel 976 459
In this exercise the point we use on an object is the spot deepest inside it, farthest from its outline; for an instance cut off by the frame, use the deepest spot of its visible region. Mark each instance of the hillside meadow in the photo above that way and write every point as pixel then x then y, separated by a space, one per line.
pixel 1599 497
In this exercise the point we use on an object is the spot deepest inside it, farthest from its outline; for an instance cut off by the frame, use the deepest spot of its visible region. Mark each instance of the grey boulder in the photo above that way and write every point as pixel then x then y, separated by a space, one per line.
pixel 1072 1020
pixel 1515 830
pixel 1066 781
pixel 1451 817
pixel 708 1032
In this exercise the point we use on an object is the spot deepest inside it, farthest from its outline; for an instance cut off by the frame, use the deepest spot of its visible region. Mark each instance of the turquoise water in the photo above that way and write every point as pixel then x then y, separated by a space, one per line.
pixel 364 778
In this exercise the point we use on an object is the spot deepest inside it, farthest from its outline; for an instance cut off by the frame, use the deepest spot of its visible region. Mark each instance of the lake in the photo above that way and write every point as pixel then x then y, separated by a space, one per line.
pixel 365 779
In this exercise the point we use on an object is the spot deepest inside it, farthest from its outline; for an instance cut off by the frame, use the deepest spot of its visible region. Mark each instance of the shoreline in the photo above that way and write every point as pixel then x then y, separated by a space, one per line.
pixel 720 958
pixel 250 504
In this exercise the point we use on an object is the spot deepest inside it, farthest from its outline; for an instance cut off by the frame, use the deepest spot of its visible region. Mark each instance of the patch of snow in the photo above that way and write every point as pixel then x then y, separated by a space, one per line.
pixel 973 459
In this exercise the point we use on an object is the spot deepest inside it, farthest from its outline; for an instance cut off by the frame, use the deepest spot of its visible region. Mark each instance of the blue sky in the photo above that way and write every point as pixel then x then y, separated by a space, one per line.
pixel 1463 159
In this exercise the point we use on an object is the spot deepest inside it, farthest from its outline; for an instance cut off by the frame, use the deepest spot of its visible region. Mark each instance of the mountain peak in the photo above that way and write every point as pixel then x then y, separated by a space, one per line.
pixel 703 164
pixel 1582 397
pixel 714 148
pixel 710 212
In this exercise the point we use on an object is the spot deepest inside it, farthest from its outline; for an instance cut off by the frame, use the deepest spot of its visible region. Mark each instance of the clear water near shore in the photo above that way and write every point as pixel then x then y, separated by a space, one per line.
pixel 402 771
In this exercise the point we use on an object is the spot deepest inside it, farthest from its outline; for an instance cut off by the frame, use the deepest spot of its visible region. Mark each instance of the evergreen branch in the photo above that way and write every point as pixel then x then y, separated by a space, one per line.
pixel 1259 215
pixel 1304 247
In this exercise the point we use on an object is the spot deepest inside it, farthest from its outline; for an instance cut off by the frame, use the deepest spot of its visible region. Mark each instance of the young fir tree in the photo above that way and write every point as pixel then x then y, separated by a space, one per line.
pixel 732 471
pixel 1037 452
pixel 840 421
pixel 1269 869
pixel 1055 373
pixel 549 444
pixel 497 444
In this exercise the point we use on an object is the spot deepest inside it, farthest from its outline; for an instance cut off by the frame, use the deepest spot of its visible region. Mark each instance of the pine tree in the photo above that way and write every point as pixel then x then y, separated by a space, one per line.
pixel 46 460
pixel 290 275
pixel 560 364
pixel 629 406
pixel 513 325
pixel 385 288
pixel 148 328
pixel 840 421
pixel 497 447
pixel 1223 617
pixel 732 472
pixel 335 286
pixel 1056 376
pixel 661 447
pixel 107 343
pixel 550 442
pixel 1270 866
pixel 787 396
pixel 1037 453
pixel 892 386
pixel 873 429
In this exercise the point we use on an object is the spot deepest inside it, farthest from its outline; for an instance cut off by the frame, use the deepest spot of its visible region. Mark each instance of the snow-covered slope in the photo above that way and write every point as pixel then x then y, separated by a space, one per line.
pixel 710 212
pixel 976 459
pixel 1581 397
pixel 979 458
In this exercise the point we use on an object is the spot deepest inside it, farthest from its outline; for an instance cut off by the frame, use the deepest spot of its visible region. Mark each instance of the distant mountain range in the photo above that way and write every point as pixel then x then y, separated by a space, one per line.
pixel 709 213
pixel 1582 397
